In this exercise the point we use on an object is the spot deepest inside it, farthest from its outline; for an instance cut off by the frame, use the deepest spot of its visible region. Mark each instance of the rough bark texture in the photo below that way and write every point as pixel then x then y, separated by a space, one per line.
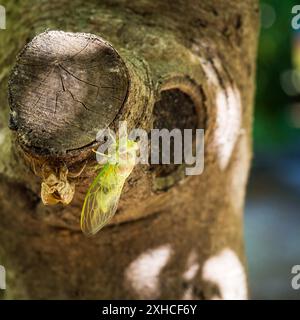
pixel 183 63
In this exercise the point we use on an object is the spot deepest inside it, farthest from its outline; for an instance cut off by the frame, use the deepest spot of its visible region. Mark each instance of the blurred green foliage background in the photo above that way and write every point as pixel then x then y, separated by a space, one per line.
pixel 272 212
pixel 273 126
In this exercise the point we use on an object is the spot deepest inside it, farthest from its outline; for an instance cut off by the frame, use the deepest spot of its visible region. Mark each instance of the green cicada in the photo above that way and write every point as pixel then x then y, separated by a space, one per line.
pixel 101 201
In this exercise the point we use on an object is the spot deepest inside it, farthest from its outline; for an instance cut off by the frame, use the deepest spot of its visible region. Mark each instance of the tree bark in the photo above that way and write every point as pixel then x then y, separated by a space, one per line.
pixel 163 64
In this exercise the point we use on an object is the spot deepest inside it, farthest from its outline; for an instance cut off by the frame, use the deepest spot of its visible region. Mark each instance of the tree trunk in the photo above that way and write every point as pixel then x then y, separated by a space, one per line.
pixel 163 64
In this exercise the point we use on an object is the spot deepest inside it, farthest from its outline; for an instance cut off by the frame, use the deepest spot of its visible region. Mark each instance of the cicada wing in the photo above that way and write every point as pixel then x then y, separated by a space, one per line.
pixel 101 201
